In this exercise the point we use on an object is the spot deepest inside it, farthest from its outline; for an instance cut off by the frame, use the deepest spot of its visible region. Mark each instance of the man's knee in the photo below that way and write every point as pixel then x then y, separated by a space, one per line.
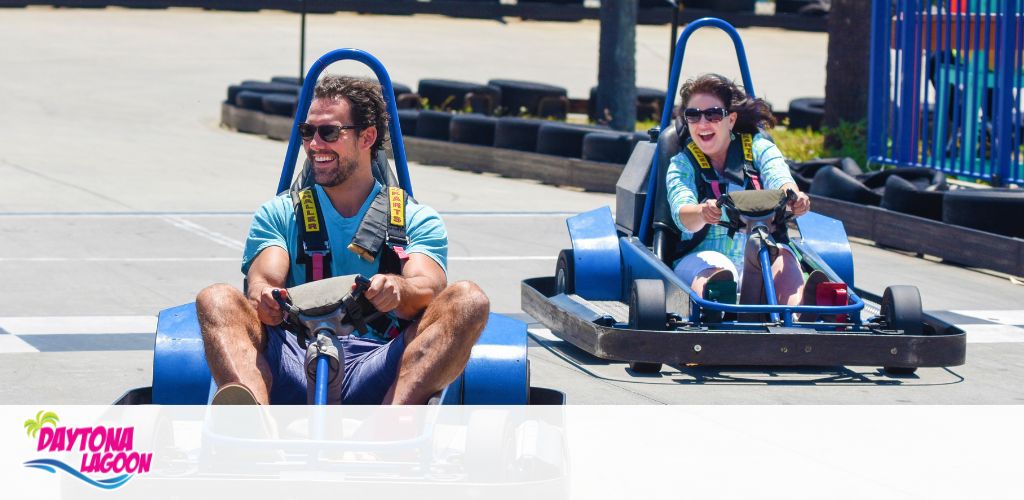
pixel 469 295
pixel 219 297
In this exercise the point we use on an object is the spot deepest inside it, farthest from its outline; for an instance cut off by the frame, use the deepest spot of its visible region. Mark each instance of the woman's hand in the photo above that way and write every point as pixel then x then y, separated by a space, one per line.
pixel 710 212
pixel 801 204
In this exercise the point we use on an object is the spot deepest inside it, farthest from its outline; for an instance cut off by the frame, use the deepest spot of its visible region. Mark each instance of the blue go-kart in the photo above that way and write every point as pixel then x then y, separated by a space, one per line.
pixel 615 295
pixel 498 369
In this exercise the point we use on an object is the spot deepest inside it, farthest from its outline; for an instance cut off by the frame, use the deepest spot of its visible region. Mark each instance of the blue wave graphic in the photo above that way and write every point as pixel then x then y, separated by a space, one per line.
pixel 48 465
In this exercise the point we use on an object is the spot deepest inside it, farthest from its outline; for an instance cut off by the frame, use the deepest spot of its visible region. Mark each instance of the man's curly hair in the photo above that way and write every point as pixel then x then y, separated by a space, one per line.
pixel 367 103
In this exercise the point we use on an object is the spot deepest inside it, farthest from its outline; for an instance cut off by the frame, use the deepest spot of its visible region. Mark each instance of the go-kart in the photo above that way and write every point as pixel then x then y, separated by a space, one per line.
pixel 498 369
pixel 615 295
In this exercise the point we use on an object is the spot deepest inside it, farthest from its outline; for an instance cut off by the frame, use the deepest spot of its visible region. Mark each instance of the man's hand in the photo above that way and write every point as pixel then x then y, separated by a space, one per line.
pixel 710 212
pixel 267 309
pixel 385 292
pixel 800 205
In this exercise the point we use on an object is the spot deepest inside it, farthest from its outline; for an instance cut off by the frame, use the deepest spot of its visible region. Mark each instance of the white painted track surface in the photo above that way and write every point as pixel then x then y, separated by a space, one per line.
pixel 120 196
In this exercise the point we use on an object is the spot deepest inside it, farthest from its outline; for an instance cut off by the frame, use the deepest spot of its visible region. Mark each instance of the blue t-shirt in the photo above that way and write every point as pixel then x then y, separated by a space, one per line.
pixel 274 225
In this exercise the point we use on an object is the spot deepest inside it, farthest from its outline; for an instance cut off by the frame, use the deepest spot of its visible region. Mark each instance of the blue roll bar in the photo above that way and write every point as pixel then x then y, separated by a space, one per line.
pixel 306 97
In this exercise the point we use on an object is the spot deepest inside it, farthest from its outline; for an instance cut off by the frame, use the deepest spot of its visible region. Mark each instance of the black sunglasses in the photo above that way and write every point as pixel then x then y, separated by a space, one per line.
pixel 713 115
pixel 329 133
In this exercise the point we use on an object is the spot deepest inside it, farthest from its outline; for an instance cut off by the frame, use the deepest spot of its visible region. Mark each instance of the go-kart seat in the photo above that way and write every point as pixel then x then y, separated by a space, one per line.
pixel 666 233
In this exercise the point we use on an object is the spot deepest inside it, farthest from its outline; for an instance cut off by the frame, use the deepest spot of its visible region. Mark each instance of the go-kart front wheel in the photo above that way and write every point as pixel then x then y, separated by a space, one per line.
pixel 647 312
pixel 565 279
pixel 901 311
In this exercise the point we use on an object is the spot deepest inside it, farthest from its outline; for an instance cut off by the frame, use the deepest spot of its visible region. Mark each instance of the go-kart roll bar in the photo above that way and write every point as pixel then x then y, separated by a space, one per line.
pixel 306 97
pixel 670 98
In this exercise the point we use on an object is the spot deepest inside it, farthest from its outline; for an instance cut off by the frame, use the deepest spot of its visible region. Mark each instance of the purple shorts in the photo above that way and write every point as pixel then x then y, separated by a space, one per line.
pixel 370 368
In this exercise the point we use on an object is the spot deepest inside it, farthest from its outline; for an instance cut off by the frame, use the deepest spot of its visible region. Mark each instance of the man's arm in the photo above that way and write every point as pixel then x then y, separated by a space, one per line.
pixel 409 294
pixel 269 270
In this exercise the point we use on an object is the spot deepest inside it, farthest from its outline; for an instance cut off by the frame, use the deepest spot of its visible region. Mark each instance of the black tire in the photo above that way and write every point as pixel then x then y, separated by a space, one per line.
pixel 649 103
pixel 280 104
pixel 433 125
pixel 262 88
pixel 647 312
pixel 903 196
pixel 901 308
pixel 451 94
pixel 609 147
pixel 994 210
pixel 815 9
pixel 806 112
pixel 721 5
pixel 791 6
pixel 561 139
pixel 565 272
pixel 522 97
pixel 831 182
pixel 921 177
pixel 407 119
pixel 247 99
pixel 472 129
pixel 290 80
pixel 517 133
pixel 803 172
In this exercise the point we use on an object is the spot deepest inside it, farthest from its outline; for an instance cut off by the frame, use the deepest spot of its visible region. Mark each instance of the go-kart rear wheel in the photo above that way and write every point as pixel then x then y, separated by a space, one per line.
pixel 565 279
pixel 901 309
pixel 647 312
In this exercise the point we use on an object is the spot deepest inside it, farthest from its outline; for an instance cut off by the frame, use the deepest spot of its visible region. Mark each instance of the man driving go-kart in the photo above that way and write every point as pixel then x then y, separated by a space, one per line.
pixel 403 357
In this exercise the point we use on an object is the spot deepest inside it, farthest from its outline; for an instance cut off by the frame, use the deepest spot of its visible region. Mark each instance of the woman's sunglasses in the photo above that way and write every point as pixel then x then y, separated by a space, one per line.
pixel 329 133
pixel 713 115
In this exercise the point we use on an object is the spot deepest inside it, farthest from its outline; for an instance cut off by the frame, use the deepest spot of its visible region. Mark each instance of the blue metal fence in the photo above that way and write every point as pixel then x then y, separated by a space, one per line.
pixel 947 87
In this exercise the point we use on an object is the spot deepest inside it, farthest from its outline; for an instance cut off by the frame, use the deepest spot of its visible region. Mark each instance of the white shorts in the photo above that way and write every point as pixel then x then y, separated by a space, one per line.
pixel 693 263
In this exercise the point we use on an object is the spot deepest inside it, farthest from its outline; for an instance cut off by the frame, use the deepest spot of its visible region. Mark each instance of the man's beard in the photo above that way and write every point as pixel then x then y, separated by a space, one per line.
pixel 342 170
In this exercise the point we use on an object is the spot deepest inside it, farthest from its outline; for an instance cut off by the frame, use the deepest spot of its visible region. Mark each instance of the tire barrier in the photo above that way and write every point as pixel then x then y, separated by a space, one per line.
pixel 280 104
pixel 561 139
pixel 407 119
pixel 922 177
pixel 806 112
pixel 517 133
pixel 261 88
pixel 832 182
pixel 433 124
pixel 609 147
pixel 538 99
pixel 803 172
pixel 649 103
pixel 722 5
pixel 906 197
pixel 457 95
pixel 472 129
pixel 248 99
pixel 791 6
pixel 998 211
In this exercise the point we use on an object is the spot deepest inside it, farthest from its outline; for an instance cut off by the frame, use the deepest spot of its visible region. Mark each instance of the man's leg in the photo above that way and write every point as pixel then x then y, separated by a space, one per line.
pixel 234 340
pixel 438 345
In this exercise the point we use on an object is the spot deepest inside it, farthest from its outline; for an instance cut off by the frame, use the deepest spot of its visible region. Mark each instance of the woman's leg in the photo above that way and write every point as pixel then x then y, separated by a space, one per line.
pixel 786 274
pixel 699 268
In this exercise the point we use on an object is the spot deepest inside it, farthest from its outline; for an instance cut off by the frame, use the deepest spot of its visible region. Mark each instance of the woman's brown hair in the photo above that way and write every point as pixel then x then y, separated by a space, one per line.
pixel 752 114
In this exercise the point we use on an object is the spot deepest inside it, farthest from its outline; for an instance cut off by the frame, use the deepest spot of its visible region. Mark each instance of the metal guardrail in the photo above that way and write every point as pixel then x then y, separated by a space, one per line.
pixel 947 87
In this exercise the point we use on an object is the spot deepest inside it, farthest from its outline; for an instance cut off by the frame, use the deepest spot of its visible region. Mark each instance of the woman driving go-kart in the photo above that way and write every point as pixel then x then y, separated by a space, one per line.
pixel 723 151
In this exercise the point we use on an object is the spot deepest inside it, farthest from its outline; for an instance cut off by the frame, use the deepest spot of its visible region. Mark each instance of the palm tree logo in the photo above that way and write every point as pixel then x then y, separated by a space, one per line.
pixel 32 426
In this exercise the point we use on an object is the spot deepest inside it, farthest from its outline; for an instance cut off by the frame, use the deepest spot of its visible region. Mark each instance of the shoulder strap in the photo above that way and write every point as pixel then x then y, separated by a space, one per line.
pixel 382 231
pixel 314 247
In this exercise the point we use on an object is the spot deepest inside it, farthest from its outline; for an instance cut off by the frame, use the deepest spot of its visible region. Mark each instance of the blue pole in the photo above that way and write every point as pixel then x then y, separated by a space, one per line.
pixel 670 98
pixel 322 374
pixel 766 275
pixel 306 97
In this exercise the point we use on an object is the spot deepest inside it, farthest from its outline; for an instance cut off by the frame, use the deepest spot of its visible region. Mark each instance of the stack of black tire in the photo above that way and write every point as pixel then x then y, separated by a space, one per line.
pixel 918 191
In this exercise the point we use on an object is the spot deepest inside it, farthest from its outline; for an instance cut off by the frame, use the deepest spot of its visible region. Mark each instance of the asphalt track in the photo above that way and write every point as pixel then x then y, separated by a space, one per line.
pixel 120 196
